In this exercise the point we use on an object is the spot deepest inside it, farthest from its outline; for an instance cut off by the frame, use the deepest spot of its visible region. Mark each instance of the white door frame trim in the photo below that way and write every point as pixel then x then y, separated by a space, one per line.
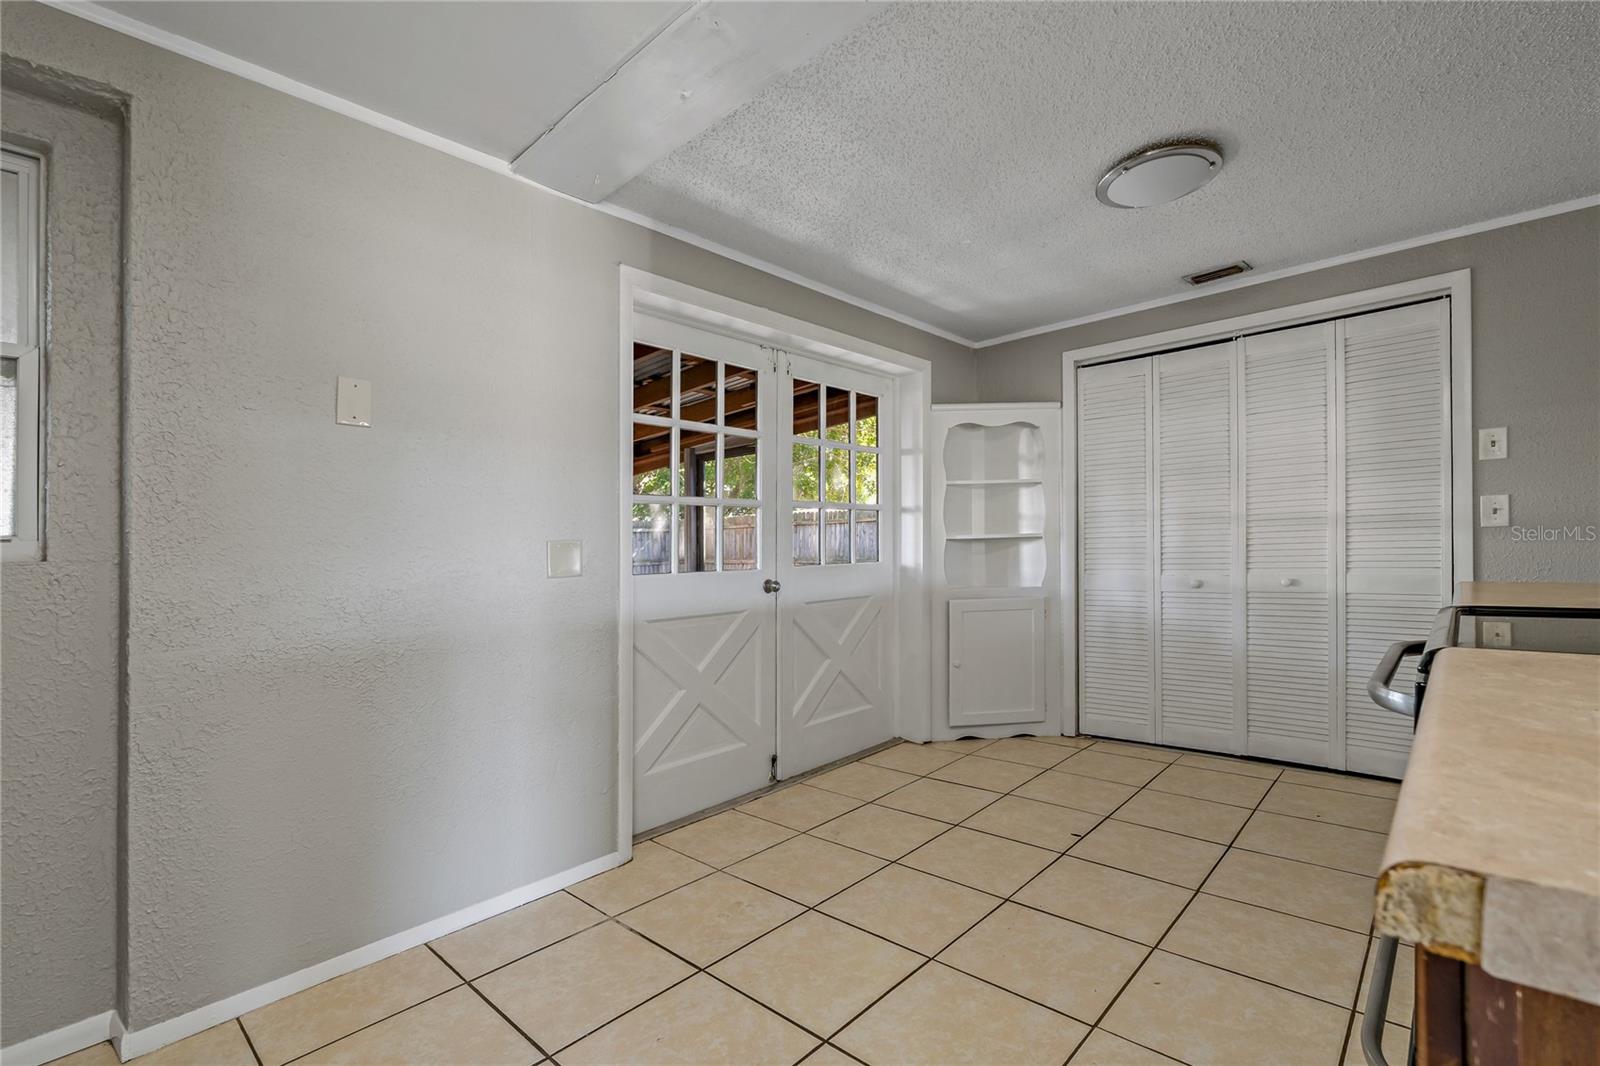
pixel 1456 284
pixel 913 378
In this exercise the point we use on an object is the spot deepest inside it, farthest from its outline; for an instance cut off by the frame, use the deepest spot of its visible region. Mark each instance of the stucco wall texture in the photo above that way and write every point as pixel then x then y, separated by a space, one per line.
pixel 60 628
pixel 1535 370
pixel 354 702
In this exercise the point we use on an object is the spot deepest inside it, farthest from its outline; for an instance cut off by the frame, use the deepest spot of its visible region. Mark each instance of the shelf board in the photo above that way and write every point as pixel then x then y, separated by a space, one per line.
pixel 997 481
pixel 994 536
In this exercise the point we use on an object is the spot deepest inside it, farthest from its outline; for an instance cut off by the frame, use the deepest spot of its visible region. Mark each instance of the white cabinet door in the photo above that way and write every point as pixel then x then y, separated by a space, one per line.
pixel 1116 638
pixel 1287 415
pixel 997 661
pixel 1198 646
pixel 1397 519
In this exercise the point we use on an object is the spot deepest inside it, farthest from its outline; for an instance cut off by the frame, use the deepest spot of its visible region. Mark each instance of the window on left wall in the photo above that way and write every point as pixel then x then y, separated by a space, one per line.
pixel 21 342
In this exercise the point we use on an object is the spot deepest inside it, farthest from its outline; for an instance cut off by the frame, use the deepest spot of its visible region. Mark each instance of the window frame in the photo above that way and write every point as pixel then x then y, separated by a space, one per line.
pixel 26 544
pixel 686 541
pixel 853 449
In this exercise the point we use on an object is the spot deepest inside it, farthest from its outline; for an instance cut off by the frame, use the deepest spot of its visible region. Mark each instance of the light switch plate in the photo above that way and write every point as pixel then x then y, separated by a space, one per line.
pixel 1497 634
pixel 1494 510
pixel 354 404
pixel 563 558
pixel 1492 443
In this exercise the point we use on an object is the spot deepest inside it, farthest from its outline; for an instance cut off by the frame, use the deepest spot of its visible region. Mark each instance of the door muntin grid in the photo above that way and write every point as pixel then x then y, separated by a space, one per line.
pixel 698 461
pixel 834 461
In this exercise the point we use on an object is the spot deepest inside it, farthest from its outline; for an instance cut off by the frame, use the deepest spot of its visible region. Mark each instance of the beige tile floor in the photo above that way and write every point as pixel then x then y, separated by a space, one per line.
pixel 1017 901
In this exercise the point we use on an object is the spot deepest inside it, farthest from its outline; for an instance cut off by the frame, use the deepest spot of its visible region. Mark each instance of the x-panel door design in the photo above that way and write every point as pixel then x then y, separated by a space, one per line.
pixel 762 613
pixel 835 563
pixel 704 629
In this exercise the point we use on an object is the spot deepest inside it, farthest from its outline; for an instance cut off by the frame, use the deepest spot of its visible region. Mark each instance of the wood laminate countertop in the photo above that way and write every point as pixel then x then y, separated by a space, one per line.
pixel 1559 594
pixel 1494 854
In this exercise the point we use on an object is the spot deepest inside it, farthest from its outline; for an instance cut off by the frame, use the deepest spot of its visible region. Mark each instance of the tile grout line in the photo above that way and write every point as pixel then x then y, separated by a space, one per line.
pixel 369 1025
pixel 251 1044
pixel 947 827
pixel 491 1004
pixel 926 960
pixel 1073 751
pixel 1176 918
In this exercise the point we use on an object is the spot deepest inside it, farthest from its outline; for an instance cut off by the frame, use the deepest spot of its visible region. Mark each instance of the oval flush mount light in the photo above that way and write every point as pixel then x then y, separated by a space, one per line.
pixel 1159 175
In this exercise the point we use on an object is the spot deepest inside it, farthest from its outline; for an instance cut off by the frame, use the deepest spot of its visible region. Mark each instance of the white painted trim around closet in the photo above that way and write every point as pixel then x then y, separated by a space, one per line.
pixel 1457 285
pixel 143 1041
pixel 58 1043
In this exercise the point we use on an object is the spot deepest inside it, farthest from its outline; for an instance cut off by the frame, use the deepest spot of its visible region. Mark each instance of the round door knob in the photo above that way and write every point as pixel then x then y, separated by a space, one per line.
pixel 1289 582
pixel 769 585
pixel 1195 583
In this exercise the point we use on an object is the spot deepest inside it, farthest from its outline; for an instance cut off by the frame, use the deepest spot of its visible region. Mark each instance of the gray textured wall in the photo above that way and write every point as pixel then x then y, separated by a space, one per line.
pixel 59 619
pixel 354 701
pixel 1535 370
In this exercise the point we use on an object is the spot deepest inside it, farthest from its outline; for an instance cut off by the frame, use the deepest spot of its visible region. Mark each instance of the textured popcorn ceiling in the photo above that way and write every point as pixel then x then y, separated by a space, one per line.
pixel 941 160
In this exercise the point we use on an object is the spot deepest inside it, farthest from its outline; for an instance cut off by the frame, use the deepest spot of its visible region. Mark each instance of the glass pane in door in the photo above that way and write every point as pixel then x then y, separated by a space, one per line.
pixel 836 536
pixel 866 536
pixel 807 409
pixel 652 538
pixel 740 393
pixel 739 538
pixel 807 539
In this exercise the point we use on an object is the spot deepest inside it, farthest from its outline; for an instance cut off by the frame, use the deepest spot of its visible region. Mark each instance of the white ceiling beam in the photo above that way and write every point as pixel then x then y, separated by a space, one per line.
pixel 704 64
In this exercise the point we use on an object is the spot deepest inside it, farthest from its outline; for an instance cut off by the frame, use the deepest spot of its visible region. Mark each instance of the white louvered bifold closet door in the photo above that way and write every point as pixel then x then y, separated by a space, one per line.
pixel 1199 606
pixel 1289 543
pixel 1116 613
pixel 1396 492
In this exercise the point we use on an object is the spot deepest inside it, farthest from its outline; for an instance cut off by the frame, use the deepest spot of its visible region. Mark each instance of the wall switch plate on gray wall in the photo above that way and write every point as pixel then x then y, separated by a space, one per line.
pixel 1492 443
pixel 563 558
pixel 1494 510
pixel 354 404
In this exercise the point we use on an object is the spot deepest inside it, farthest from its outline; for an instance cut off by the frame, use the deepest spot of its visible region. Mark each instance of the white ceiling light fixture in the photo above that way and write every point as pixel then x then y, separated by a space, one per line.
pixel 1159 175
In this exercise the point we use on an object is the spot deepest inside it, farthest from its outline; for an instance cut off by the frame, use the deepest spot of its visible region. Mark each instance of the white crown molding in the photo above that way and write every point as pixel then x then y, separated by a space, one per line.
pixel 212 57
pixel 93 12
pixel 1305 268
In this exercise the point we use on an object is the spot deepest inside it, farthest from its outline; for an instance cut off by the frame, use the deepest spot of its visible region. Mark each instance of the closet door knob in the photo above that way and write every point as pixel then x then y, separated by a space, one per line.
pixel 1195 583
pixel 1289 582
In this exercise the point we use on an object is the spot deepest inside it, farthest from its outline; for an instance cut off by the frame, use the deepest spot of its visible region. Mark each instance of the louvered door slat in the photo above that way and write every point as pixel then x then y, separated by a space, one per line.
pixel 1289 624
pixel 1396 547
pixel 1116 616
pixel 1195 489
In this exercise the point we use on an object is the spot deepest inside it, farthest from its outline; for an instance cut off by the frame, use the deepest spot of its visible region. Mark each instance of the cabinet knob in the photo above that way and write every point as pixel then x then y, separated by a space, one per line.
pixel 955 664
pixel 1195 583
pixel 1289 582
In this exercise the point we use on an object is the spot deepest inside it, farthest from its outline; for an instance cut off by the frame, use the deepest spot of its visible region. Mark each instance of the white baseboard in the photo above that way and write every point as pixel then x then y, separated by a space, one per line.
pixel 143 1041
pixel 63 1041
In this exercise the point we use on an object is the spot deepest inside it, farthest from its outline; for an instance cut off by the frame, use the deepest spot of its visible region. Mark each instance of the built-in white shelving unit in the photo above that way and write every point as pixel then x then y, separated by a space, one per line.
pixel 996 546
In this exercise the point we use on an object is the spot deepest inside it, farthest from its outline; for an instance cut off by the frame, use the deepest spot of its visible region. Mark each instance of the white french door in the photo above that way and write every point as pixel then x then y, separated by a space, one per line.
pixel 761 566
pixel 704 632
pixel 835 564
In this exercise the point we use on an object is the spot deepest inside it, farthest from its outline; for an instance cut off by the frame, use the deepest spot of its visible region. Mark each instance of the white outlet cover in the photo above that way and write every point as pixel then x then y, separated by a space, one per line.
pixel 563 558
pixel 1494 510
pixel 1492 443
pixel 354 404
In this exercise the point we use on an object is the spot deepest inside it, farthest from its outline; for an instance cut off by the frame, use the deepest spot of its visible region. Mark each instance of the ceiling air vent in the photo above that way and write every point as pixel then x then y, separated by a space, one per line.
pixel 1206 277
